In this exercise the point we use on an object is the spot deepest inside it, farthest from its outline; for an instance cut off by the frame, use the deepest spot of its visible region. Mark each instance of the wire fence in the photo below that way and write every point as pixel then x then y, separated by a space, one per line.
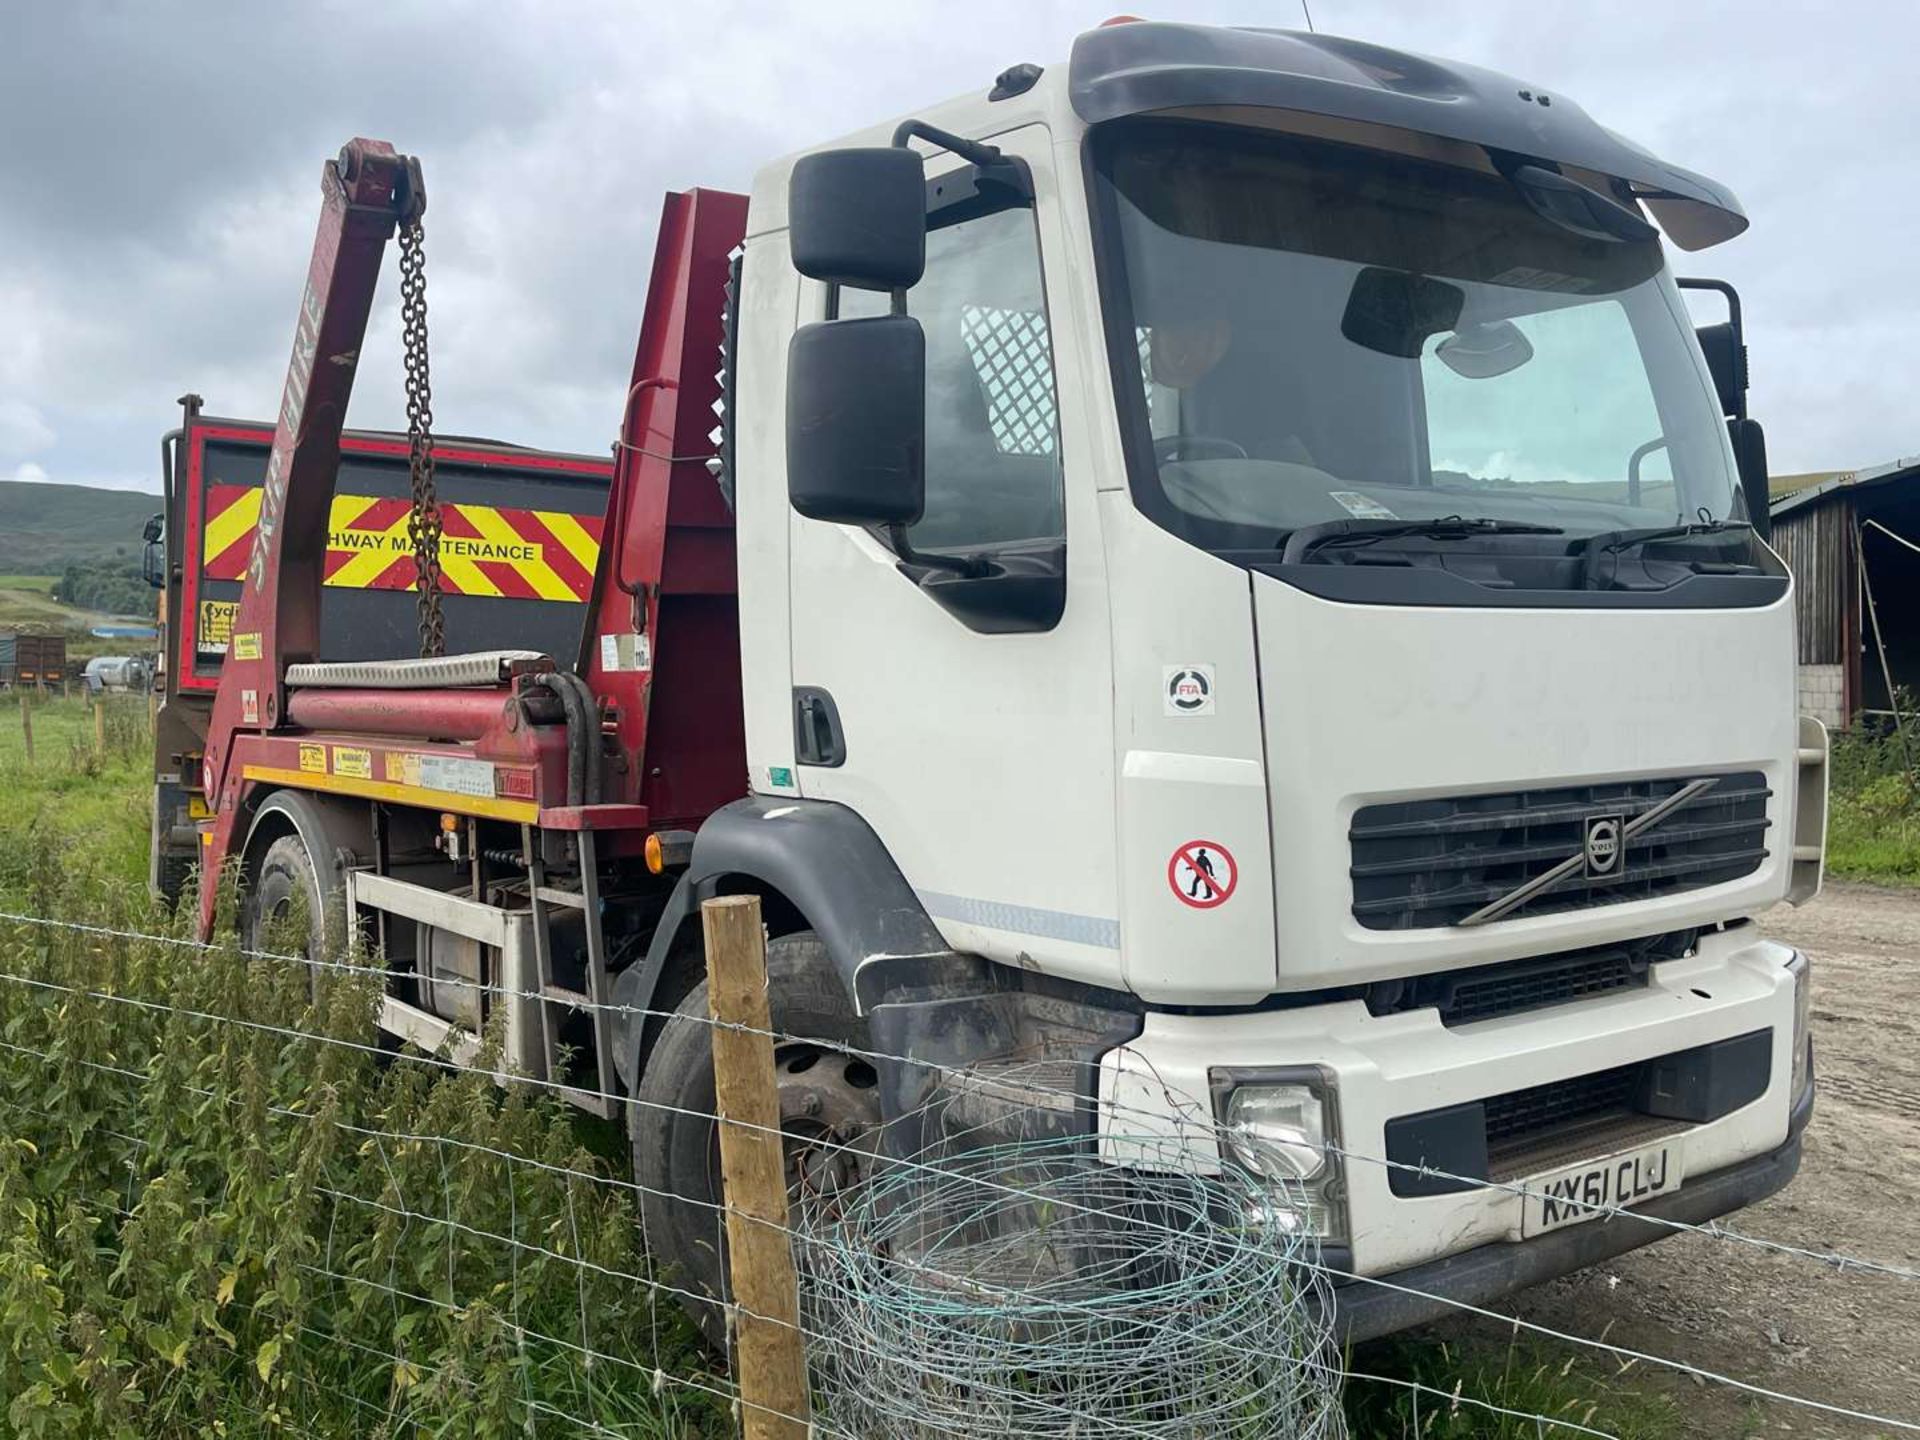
pixel 228 1205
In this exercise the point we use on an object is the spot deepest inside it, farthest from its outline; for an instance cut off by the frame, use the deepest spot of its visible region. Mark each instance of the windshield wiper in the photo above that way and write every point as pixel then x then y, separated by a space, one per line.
pixel 1612 542
pixel 1346 533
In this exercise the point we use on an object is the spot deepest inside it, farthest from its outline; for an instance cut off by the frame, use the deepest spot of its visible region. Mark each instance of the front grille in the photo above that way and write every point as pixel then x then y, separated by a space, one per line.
pixel 1520 1116
pixel 1424 863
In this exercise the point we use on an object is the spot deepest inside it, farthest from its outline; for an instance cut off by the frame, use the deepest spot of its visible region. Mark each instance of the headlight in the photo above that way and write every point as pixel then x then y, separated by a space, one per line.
pixel 1281 1132
pixel 1802 971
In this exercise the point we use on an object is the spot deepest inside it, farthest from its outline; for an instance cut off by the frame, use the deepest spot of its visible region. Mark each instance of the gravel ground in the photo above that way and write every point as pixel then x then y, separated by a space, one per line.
pixel 1776 1321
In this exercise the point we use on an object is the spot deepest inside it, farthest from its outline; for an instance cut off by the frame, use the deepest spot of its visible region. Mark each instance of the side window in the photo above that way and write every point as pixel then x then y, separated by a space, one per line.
pixel 993 431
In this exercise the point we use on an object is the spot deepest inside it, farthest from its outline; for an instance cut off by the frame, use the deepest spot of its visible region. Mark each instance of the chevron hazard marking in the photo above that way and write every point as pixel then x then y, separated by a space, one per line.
pixel 493 550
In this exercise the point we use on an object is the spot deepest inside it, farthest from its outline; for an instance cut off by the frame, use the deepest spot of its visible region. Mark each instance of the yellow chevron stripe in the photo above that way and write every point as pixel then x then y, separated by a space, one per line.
pixel 493 526
pixel 232 524
pixel 570 533
pixel 464 576
pixel 347 510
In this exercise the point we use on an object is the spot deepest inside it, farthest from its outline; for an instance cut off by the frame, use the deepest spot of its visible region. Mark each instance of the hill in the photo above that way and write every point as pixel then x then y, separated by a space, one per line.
pixel 45 528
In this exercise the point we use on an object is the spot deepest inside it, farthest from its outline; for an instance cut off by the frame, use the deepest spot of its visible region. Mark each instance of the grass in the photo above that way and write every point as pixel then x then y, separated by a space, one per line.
pixel 1873 819
pixel 1529 1378
pixel 183 1253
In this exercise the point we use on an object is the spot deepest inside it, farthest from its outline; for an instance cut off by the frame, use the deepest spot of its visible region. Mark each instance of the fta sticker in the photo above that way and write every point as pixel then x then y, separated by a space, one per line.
pixel 1189 689
pixel 1202 874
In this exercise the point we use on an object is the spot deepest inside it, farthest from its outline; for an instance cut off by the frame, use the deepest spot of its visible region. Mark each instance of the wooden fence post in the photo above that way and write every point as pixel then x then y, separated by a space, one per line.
pixel 771 1361
pixel 100 723
pixel 26 722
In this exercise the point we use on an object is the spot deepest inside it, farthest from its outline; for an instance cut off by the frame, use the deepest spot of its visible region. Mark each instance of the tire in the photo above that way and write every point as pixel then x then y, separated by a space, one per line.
pixel 826 1096
pixel 285 876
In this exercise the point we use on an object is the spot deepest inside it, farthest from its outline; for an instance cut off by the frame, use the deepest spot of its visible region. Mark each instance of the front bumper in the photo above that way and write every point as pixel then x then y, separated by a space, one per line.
pixel 1382 1068
pixel 1367 1310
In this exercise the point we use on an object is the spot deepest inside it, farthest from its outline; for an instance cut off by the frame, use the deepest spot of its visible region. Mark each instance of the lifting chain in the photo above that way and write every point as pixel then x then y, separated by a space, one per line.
pixel 423 524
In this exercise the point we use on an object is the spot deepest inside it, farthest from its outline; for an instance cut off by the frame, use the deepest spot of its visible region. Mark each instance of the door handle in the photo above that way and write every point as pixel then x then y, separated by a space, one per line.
pixel 817 736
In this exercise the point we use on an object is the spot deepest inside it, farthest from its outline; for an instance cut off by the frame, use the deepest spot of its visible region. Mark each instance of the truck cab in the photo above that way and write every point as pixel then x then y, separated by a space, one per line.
pixel 1327 616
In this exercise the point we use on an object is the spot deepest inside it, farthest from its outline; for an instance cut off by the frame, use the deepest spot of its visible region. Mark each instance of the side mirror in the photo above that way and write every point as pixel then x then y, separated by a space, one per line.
pixel 153 556
pixel 859 217
pixel 1750 457
pixel 857 421
pixel 1726 359
pixel 1480 352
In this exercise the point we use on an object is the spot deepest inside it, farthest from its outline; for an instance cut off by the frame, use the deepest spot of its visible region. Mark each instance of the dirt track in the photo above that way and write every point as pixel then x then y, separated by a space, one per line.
pixel 1775 1321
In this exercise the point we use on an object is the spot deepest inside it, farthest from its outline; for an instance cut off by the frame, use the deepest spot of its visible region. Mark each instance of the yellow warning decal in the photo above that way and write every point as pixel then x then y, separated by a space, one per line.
pixel 246 646
pixel 313 759
pixel 214 632
pixel 402 767
pixel 354 763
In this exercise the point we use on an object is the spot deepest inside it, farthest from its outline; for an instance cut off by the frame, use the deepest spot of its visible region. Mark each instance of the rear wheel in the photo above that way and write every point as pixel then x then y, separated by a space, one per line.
pixel 289 890
pixel 829 1114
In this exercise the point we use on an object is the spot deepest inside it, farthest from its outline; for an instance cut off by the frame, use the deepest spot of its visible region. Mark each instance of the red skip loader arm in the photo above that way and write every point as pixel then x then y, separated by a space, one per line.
pixel 364 195
pixel 667 580
pixel 660 650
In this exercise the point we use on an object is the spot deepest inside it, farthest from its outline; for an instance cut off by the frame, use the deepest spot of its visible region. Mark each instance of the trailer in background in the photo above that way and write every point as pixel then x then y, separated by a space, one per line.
pixel 39 661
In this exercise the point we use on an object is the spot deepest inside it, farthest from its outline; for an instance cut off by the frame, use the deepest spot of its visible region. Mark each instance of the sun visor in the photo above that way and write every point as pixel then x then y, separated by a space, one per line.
pixel 1144 67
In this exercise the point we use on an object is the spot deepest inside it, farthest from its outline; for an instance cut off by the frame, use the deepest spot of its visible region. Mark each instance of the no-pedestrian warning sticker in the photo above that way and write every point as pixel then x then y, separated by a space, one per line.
pixel 1202 874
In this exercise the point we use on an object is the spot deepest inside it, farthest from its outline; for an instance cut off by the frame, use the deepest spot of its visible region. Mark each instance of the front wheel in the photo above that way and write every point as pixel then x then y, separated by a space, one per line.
pixel 829 1113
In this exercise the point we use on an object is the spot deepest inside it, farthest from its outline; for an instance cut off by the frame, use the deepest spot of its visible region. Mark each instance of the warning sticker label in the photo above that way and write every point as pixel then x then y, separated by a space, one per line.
pixel 215 628
pixel 353 762
pixel 1202 874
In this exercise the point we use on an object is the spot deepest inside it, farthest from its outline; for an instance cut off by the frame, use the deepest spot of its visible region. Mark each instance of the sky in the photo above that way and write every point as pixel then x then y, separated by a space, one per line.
pixel 159 184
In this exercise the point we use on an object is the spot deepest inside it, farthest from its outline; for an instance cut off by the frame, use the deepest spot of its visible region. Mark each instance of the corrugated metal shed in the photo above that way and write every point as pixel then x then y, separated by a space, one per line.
pixel 1824 526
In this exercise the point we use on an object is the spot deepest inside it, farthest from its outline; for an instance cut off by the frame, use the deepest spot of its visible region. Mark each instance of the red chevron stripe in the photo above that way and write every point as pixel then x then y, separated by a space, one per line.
pixel 508 578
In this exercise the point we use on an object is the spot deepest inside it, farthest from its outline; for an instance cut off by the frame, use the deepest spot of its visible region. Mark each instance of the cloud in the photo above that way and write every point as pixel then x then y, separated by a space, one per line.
pixel 22 430
pixel 28 473
pixel 154 236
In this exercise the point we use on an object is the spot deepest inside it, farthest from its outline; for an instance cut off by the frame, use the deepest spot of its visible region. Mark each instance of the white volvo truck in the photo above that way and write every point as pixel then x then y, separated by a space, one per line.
pixel 1334 631
pixel 1250 588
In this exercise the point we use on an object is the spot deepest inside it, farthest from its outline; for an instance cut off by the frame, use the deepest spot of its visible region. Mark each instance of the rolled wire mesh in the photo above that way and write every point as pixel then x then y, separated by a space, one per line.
pixel 1029 1286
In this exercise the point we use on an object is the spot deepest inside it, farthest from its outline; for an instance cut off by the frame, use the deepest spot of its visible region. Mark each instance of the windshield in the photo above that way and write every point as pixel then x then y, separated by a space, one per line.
pixel 1328 333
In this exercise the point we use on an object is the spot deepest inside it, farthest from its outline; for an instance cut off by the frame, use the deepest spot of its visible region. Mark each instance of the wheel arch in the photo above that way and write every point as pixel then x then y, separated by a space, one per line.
pixel 336 833
pixel 816 866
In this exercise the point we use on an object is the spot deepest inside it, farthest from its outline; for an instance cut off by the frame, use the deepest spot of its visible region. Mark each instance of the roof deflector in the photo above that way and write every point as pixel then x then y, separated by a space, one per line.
pixel 1141 68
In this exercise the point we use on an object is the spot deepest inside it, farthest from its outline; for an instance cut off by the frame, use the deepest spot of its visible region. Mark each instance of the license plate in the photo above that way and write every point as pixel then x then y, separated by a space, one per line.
pixel 1590 1189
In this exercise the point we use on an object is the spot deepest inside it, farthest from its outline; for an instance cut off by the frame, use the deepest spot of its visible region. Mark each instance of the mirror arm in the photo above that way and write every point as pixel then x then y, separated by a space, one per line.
pixel 994 167
pixel 971 566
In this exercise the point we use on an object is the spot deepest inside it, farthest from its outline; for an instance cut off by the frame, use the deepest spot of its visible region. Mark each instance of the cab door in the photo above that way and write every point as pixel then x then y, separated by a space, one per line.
pixel 968 717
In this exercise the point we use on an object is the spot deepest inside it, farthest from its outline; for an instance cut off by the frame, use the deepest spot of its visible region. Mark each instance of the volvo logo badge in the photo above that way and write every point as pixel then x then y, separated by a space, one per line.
pixel 1604 846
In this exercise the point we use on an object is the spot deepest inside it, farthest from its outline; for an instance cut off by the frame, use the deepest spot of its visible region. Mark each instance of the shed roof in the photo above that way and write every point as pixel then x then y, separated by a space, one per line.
pixel 1793 493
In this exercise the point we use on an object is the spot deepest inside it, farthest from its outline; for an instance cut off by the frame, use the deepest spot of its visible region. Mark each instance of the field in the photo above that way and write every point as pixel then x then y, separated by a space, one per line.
pixel 27 603
pixel 181 1252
